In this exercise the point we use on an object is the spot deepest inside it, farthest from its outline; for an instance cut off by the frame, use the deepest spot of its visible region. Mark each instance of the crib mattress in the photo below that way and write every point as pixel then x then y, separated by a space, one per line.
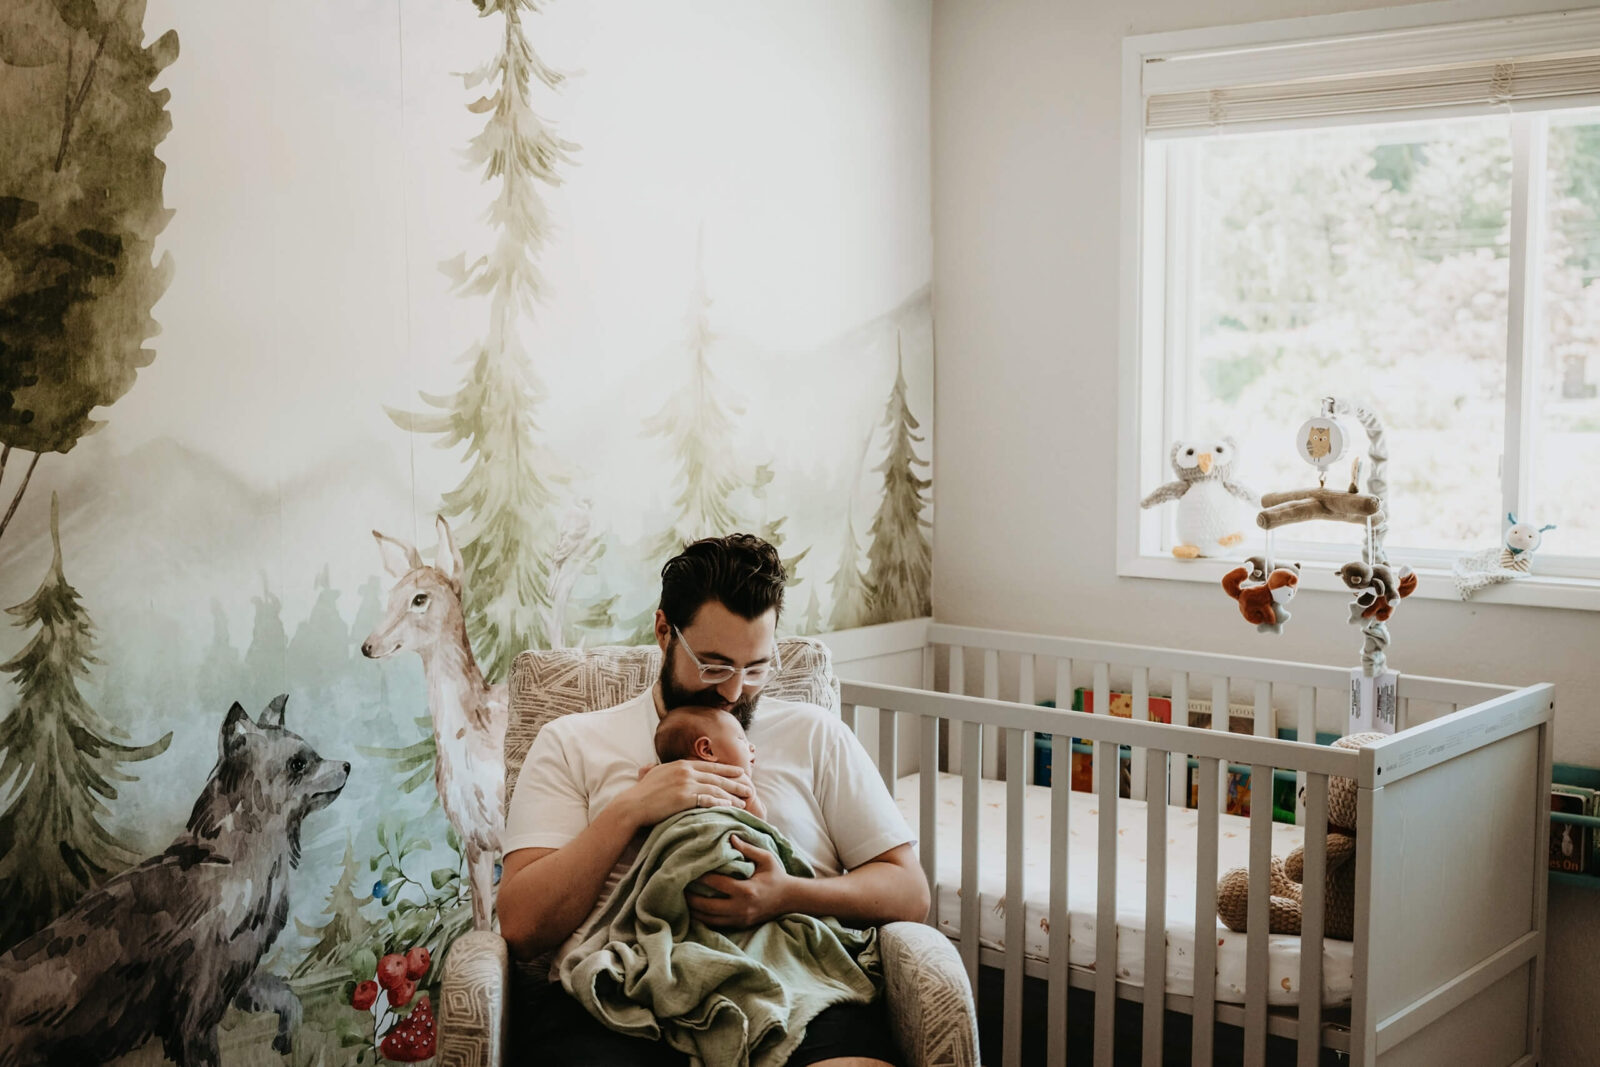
pixel 1182 826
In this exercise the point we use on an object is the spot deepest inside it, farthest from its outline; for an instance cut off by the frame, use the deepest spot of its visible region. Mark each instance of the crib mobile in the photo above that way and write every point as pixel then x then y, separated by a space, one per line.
pixel 1263 587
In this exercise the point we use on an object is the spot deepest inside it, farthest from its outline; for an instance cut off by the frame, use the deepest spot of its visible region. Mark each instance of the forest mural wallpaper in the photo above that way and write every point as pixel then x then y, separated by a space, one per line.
pixel 337 310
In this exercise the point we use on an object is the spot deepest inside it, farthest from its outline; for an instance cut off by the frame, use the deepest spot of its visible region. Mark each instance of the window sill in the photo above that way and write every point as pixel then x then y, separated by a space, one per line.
pixel 1538 591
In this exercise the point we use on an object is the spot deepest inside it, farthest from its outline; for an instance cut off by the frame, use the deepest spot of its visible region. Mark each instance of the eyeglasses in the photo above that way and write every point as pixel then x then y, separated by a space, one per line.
pixel 717 673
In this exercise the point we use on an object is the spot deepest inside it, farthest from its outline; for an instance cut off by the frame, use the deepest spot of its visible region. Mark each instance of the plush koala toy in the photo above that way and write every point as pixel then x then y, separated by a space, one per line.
pixel 1287 879
pixel 1378 589
pixel 1263 598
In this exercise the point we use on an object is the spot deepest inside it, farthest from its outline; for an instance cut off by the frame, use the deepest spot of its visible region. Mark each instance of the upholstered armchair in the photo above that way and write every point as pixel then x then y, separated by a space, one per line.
pixel 930 1003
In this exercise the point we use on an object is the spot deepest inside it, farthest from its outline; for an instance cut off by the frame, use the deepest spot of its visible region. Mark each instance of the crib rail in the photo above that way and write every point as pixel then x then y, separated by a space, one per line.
pixel 1155 746
pixel 987 737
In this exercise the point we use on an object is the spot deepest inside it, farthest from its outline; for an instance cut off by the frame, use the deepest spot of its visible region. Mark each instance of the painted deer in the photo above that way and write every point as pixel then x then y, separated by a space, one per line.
pixel 469 716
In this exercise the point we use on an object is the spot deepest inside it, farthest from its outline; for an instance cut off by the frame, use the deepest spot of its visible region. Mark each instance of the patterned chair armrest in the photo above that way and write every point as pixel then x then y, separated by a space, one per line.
pixel 931 1010
pixel 472 1012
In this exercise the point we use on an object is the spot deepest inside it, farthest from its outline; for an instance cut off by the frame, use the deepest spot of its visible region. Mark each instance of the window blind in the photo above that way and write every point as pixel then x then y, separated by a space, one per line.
pixel 1525 83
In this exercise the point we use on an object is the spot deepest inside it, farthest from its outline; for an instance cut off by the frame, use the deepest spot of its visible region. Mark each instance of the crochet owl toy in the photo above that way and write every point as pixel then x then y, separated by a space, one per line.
pixel 1287 878
pixel 1209 520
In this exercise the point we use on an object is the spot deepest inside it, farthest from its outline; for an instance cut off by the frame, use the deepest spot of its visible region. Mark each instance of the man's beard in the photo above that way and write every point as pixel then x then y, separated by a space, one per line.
pixel 674 696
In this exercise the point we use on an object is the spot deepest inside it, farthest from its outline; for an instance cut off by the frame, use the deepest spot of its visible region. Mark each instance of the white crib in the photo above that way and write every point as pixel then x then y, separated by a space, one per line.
pixel 1447 961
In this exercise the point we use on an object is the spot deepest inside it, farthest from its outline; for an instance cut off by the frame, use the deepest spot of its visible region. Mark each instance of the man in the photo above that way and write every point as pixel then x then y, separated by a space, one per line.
pixel 592 788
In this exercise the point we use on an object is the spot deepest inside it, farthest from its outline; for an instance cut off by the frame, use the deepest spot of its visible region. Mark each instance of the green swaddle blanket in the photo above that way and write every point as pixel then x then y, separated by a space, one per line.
pixel 725 997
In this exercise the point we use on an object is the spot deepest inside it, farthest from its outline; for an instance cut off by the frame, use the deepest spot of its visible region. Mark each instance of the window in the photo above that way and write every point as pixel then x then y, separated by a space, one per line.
pixel 1402 216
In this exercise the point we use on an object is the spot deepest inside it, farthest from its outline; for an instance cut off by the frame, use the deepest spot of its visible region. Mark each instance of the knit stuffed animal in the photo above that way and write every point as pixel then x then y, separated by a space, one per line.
pixel 1521 541
pixel 1378 589
pixel 1263 598
pixel 1209 522
pixel 1288 876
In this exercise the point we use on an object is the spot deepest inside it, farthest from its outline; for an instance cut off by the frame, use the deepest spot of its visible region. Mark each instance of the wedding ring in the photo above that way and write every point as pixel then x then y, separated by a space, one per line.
pixel 703 800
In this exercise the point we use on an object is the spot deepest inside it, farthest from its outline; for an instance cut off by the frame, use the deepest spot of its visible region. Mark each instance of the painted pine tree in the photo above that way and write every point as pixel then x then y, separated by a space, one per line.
pixel 266 660
pixel 811 621
pixel 345 927
pixel 220 679
pixel 577 554
pixel 851 595
pixel 698 430
pixel 61 757
pixel 900 561
pixel 504 505
pixel 318 653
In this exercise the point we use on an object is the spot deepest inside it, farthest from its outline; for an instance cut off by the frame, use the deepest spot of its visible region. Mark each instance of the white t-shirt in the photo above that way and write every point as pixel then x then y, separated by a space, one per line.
pixel 817 781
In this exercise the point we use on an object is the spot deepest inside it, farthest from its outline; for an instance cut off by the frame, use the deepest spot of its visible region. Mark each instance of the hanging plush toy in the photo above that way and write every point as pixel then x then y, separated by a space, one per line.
pixel 1522 540
pixel 1378 589
pixel 1209 519
pixel 1263 597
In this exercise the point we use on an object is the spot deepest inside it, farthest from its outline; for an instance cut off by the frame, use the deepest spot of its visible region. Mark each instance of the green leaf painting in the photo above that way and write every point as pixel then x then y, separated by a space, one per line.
pixel 80 210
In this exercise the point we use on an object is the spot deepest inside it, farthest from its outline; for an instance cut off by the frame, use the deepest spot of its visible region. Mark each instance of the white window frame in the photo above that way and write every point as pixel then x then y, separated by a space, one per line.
pixel 1448 32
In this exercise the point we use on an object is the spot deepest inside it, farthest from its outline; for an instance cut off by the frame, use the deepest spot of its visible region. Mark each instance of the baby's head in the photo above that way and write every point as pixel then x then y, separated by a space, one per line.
pixel 710 734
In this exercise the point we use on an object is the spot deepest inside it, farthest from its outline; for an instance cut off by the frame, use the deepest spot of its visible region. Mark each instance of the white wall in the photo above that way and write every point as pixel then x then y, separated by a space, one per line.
pixel 1026 202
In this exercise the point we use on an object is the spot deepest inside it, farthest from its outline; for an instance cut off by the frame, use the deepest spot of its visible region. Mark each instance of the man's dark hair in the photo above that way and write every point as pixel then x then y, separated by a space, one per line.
pixel 741 571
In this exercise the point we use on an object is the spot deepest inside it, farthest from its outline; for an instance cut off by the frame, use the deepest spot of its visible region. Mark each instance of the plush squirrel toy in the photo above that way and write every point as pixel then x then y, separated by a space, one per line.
pixel 1378 589
pixel 1263 598
pixel 1288 876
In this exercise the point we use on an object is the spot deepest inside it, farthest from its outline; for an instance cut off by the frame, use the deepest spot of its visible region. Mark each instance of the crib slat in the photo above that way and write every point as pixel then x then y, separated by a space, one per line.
pixel 991 734
pixel 1265 724
pixel 1204 1008
pixel 971 754
pixel 888 747
pixel 1059 917
pixel 1219 722
pixel 1305 730
pixel 928 812
pixel 1257 914
pixel 956 683
pixel 1025 687
pixel 1141 711
pixel 1061 744
pixel 1063 685
pixel 1155 912
pixel 1102 706
pixel 1178 770
pixel 1015 907
pixel 847 713
pixel 1105 951
pixel 1313 908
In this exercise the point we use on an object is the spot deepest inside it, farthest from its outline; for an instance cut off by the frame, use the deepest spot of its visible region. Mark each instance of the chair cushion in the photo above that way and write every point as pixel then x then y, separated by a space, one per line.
pixel 549 683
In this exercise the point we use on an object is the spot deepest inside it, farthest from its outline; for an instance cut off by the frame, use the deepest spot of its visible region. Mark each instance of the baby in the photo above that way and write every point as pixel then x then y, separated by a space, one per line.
pixel 709 734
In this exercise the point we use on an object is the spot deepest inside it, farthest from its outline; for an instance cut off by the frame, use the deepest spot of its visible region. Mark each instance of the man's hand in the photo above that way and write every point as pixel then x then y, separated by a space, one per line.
pixel 668 788
pixel 749 901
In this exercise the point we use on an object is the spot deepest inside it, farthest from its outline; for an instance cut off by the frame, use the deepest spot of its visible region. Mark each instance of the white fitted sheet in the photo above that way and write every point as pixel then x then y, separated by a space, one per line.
pixel 1182 828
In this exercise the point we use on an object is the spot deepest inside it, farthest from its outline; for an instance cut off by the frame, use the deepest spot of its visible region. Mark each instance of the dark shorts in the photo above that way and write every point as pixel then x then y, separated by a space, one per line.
pixel 563 1034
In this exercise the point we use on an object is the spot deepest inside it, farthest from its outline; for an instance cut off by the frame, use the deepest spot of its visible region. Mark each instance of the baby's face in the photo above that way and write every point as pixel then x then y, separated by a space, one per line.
pixel 729 744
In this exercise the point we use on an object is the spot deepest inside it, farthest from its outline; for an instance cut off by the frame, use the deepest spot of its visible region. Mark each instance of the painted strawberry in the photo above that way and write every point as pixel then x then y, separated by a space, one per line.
pixel 417 961
pixel 391 971
pixel 413 1038
pixel 401 994
pixel 365 995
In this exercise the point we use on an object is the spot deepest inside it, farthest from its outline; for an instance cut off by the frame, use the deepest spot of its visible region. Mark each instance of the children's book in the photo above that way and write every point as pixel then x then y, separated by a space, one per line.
pixel 1241 720
pixel 1570 843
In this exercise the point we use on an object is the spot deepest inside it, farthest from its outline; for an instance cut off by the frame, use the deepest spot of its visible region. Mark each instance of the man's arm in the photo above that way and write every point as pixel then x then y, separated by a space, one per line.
pixel 546 893
pixel 887 888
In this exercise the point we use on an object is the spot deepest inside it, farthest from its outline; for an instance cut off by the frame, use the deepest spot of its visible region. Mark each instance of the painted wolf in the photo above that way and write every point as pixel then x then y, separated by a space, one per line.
pixel 164 948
